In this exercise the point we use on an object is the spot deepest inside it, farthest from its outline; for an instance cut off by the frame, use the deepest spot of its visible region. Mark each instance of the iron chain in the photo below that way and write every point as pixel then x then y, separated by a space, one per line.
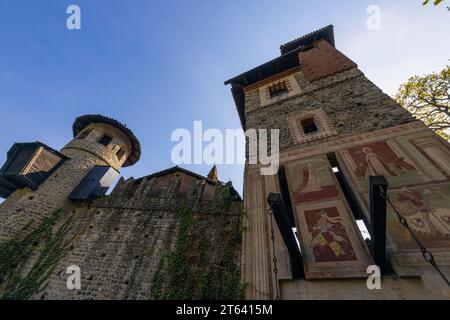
pixel 426 254
pixel 275 269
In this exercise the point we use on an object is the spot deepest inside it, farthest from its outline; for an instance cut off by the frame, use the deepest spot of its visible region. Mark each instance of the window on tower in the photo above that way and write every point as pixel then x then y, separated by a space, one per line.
pixel 105 140
pixel 278 89
pixel 120 153
pixel 309 125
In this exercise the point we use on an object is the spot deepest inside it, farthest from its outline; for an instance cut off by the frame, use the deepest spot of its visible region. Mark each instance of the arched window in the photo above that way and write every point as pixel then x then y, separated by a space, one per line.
pixel 309 125
pixel 83 134
pixel 105 140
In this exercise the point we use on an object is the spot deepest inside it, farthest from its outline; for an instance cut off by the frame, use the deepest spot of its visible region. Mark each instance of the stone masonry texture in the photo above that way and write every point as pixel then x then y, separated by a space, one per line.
pixel 353 103
pixel 169 237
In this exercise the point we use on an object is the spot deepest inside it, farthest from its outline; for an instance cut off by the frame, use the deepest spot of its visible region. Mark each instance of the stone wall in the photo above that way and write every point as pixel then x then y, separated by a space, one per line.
pixel 353 103
pixel 25 205
pixel 429 286
pixel 152 238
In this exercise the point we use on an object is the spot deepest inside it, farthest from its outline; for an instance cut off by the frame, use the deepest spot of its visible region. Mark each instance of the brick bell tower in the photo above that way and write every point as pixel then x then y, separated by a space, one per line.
pixel 337 129
pixel 36 180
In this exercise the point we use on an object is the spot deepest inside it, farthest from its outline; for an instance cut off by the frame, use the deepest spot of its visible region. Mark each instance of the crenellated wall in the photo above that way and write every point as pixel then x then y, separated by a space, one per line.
pixel 169 236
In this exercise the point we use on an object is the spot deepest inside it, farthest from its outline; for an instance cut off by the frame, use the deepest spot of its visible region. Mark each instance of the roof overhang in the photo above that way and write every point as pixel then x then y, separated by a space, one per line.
pixel 326 33
pixel 289 59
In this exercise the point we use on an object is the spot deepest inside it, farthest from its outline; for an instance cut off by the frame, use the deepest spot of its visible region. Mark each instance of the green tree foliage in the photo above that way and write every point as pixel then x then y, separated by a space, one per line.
pixel 435 2
pixel 428 99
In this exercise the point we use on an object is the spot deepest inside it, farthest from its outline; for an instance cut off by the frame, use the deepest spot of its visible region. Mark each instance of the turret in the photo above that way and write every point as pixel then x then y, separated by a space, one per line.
pixel 105 138
pixel 84 169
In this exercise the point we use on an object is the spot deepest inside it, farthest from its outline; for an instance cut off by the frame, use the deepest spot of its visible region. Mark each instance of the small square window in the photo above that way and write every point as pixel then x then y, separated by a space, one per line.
pixel 105 140
pixel 120 153
pixel 278 89
pixel 309 125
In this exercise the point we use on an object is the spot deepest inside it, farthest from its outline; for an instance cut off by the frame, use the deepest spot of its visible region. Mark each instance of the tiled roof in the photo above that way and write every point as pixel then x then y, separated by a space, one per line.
pixel 326 33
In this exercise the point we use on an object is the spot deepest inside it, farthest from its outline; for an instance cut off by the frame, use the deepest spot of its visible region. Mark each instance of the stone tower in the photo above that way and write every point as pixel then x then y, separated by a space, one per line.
pixel 337 129
pixel 39 180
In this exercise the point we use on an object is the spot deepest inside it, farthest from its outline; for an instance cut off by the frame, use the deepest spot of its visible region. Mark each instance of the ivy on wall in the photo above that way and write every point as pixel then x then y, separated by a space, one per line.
pixel 200 259
pixel 203 262
pixel 223 198
pixel 15 253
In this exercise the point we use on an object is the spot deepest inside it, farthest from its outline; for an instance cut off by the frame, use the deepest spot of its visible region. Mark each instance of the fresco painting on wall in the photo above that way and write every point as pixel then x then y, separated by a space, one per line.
pixel 314 182
pixel 427 210
pixel 379 158
pixel 425 202
pixel 331 245
pixel 329 239
pixel 435 150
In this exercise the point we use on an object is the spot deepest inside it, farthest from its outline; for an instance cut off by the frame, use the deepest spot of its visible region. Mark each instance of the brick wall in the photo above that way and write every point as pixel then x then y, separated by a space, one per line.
pixel 323 60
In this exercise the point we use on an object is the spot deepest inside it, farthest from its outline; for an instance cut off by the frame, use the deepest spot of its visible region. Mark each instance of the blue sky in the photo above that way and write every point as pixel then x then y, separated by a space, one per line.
pixel 158 65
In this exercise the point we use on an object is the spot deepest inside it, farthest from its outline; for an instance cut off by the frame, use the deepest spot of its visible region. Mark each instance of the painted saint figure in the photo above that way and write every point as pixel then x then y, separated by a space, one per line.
pixel 310 182
pixel 316 182
pixel 376 165
pixel 379 159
